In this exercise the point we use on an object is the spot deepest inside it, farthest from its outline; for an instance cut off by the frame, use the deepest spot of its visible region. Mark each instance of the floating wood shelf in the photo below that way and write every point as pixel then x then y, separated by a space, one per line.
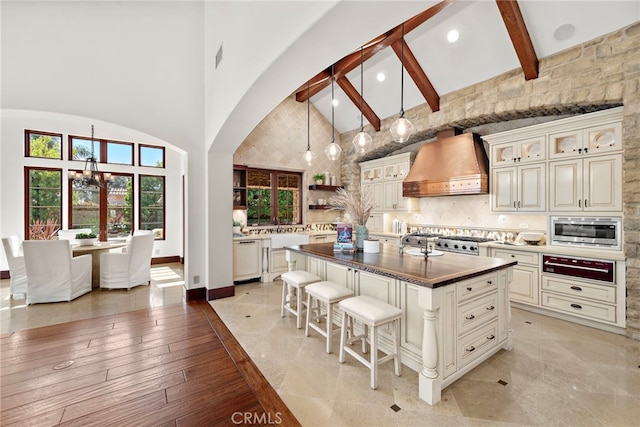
pixel 325 187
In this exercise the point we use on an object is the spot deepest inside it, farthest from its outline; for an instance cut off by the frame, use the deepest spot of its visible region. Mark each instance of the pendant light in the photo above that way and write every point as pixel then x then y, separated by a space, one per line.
pixel 402 128
pixel 91 176
pixel 332 150
pixel 362 140
pixel 309 155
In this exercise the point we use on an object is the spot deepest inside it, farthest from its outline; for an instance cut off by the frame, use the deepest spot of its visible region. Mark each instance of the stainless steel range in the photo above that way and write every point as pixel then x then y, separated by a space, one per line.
pixel 460 244
pixel 417 239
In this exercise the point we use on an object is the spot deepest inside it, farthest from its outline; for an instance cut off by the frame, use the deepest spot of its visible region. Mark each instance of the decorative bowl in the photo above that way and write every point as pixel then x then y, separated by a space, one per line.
pixel 532 238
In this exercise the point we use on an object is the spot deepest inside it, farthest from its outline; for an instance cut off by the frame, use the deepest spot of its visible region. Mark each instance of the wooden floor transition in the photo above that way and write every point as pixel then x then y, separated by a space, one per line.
pixel 175 365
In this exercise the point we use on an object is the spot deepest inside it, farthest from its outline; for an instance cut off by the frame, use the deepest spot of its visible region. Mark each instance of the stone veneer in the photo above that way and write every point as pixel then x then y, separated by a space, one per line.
pixel 601 73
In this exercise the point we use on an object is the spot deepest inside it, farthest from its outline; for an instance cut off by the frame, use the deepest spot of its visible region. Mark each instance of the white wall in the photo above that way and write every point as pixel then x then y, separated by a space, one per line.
pixel 13 161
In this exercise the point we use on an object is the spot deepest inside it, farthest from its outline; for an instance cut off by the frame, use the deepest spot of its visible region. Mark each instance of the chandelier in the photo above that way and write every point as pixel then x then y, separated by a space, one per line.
pixel 91 176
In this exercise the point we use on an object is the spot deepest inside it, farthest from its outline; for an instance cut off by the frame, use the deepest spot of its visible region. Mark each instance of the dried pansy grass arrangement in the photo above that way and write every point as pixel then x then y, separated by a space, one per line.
pixel 357 208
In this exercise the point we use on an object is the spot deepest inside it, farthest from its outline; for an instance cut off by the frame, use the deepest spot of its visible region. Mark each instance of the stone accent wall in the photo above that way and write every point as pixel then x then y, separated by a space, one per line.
pixel 601 73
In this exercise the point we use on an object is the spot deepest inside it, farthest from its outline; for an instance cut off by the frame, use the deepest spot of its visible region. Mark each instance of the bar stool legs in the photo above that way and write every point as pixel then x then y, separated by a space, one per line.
pixel 373 314
pixel 329 294
pixel 297 280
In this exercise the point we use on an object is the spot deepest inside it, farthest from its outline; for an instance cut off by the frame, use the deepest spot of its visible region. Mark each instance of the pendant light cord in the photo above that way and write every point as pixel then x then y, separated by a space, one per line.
pixel 333 139
pixel 308 119
pixel 361 88
pixel 402 74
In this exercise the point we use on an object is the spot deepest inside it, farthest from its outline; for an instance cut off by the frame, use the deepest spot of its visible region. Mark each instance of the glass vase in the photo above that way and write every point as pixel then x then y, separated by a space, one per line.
pixel 362 233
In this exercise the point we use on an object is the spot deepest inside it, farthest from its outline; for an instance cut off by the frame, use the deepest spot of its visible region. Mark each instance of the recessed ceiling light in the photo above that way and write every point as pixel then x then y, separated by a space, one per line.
pixel 453 36
pixel 564 32
pixel 381 76
pixel 335 102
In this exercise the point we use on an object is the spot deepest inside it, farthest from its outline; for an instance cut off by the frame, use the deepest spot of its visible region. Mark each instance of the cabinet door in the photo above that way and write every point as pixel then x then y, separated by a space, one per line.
pixel 504 183
pixel 603 183
pixel 532 185
pixel 565 189
pixel 565 144
pixel 371 173
pixel 603 138
pixel 379 287
pixel 378 195
pixel 503 154
pixel 316 266
pixel 246 260
pixel 339 274
pixel 390 195
pixel 525 284
pixel 278 260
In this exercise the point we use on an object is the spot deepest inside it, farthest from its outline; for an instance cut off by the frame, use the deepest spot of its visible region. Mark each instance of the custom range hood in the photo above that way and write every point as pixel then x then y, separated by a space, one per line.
pixel 451 165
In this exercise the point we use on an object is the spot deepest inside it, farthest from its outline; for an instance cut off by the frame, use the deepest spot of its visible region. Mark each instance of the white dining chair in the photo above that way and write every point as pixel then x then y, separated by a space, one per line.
pixel 130 268
pixel 53 274
pixel 15 259
pixel 70 235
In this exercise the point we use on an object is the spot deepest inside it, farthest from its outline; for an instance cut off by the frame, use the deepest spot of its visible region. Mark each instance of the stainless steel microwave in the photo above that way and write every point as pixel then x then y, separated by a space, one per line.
pixel 597 232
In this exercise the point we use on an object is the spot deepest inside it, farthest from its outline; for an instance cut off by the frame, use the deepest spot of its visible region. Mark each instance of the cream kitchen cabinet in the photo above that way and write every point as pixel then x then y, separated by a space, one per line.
pixel 247 259
pixel 519 188
pixel 377 192
pixel 592 184
pixel 525 286
pixel 603 138
pixel 323 238
pixel 531 149
pixel 384 177
pixel 389 240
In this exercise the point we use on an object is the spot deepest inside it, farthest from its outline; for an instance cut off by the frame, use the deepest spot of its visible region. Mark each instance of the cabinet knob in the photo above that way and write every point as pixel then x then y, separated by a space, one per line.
pixel 469 288
pixel 489 282
pixel 586 150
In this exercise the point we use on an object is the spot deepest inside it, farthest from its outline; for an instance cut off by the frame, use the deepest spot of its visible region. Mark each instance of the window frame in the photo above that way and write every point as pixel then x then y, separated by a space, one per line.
pixel 164 203
pixel 27 143
pixel 274 193
pixel 158 147
pixel 102 150
pixel 130 144
pixel 103 205
pixel 27 199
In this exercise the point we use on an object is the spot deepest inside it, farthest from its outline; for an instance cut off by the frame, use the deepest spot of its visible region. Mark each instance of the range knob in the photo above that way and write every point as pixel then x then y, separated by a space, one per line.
pixel 446 245
pixel 464 247
pixel 438 244
pixel 473 248
pixel 455 246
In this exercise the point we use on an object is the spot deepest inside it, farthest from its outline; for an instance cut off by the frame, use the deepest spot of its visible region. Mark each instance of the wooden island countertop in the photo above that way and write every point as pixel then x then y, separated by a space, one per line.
pixel 432 272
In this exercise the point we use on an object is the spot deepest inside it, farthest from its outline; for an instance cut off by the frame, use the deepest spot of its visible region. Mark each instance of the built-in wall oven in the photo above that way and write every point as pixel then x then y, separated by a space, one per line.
pixel 598 232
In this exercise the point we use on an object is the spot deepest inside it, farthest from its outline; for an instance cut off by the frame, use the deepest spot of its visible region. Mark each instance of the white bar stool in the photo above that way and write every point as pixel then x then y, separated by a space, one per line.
pixel 373 314
pixel 328 293
pixel 297 280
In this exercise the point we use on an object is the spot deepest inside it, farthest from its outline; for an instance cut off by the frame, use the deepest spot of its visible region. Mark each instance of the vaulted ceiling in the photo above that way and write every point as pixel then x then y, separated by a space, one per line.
pixel 495 36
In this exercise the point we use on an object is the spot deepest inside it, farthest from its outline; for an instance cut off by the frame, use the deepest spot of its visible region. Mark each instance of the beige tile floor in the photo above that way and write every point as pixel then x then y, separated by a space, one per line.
pixel 558 373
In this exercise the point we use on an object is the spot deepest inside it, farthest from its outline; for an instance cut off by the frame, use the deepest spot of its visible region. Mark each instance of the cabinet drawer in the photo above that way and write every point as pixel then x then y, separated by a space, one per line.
pixel 471 288
pixel 580 289
pixel 521 257
pixel 477 343
pixel 579 307
pixel 477 312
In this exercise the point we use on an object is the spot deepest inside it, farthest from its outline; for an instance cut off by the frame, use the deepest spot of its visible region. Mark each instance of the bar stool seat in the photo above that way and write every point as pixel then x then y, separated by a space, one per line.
pixel 328 293
pixel 373 314
pixel 297 280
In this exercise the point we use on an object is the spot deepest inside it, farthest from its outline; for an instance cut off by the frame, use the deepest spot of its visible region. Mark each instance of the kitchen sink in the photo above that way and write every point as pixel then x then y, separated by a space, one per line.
pixel 288 239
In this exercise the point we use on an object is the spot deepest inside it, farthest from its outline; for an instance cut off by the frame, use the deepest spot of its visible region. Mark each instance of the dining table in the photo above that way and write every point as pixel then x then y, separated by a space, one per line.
pixel 95 250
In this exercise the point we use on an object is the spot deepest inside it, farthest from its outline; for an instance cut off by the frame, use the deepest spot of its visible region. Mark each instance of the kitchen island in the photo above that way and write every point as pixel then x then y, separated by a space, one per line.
pixel 455 307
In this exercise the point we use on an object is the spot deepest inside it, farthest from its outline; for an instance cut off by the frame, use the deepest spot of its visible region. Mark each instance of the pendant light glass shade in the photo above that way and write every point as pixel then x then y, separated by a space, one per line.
pixel 402 128
pixel 362 140
pixel 309 155
pixel 332 150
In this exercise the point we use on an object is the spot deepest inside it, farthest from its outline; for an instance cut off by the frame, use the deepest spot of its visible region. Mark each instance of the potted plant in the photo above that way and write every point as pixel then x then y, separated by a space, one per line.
pixel 236 227
pixel 319 178
pixel 86 239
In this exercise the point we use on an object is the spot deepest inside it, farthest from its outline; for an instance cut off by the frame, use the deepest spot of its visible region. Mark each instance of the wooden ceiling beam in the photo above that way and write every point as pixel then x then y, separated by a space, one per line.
pixel 517 29
pixel 354 96
pixel 351 61
pixel 417 74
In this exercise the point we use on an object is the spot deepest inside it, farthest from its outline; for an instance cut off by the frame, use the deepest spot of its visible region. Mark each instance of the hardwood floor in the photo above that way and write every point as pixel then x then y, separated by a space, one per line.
pixel 171 366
